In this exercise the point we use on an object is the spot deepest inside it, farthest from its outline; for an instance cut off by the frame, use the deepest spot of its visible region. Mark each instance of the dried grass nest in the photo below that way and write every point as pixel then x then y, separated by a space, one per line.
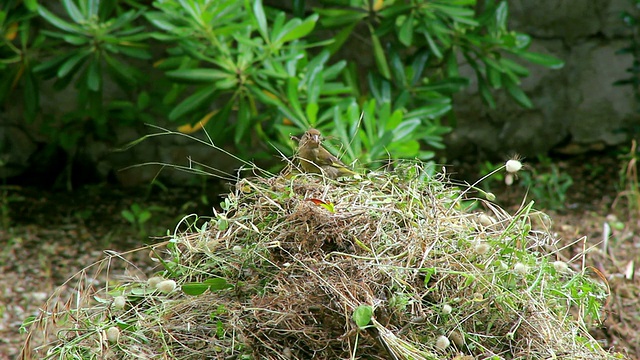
pixel 388 266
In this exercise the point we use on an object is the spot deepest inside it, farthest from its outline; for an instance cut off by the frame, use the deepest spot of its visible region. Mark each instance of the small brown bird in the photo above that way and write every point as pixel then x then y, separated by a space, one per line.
pixel 316 159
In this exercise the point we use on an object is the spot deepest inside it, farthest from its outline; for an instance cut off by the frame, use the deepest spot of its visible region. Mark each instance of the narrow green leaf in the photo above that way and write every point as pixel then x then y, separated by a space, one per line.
pixel 75 40
pixel 432 45
pixel 243 122
pixel 50 65
pixel 293 96
pixel 485 93
pixel 282 108
pixel 516 93
pixel 194 289
pixel 160 20
pixel 122 71
pixel 501 15
pixel 405 35
pixel 449 85
pixel 494 77
pixel 340 17
pixel 380 144
pixel 514 67
pixel 200 75
pixel 298 31
pixel 73 11
pixel 542 59
pixel 216 284
pixel 135 52
pixel 431 111
pixel 57 22
pixel 261 19
pixel 312 113
pixel 72 63
pixel 93 7
pixel 193 10
pixel 143 100
pixel 94 77
pixel 227 83
pixel 379 55
pixel 404 131
pixel 31 5
pixel 394 120
pixel 340 38
pixel 417 66
pixel 193 102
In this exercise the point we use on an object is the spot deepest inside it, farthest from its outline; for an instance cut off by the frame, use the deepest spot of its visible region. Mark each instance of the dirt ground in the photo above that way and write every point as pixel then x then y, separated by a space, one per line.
pixel 48 236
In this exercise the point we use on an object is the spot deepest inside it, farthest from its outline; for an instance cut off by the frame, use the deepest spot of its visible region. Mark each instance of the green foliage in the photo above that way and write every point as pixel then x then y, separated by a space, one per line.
pixel 18 51
pixel 137 217
pixel 247 72
pixel 548 184
pixel 92 38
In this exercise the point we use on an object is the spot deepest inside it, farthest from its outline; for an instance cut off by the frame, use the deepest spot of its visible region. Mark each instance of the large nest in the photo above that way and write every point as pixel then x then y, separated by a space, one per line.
pixel 393 266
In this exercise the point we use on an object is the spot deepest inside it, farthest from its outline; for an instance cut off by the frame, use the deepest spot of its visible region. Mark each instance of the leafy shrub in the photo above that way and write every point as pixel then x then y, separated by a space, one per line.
pixel 243 70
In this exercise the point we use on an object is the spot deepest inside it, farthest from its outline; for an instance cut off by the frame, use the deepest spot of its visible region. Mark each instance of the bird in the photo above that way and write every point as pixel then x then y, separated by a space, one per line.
pixel 314 158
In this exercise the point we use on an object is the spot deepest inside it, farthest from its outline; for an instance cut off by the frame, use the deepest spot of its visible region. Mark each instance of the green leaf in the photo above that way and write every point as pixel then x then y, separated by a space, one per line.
pixel 293 96
pixel 243 122
pixel 143 100
pixel 261 19
pixel 49 67
pixel 431 111
pixel 380 144
pixel 128 215
pixel 494 77
pixel 542 59
pixel 485 93
pixel 432 45
pixel 339 17
pixel 379 55
pixel 73 11
pixel 194 288
pixel 57 22
pixel 514 67
pixel 403 131
pixel 94 77
pixel 405 35
pixel 193 102
pixel 298 30
pixel 516 93
pixel 216 284
pixel 198 75
pixel 312 113
pixel 362 315
pixel 123 72
pixel 144 216
pixel 71 63
pixel 160 20
pixel 286 112
pixel 75 40
pixel 448 85
pixel 501 15
pixel 31 5
pixel 340 38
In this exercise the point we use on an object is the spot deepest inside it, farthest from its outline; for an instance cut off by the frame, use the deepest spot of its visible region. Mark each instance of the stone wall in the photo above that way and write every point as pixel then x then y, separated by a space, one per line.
pixel 576 108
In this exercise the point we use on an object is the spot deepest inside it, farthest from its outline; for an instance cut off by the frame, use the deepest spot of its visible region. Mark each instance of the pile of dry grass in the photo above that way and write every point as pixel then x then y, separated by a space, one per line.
pixel 392 266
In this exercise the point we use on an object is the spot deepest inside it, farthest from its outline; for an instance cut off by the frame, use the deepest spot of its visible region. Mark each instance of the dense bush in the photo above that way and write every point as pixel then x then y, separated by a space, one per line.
pixel 251 72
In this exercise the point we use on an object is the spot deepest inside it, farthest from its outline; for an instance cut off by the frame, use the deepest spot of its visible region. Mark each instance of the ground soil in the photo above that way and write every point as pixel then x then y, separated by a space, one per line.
pixel 48 236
